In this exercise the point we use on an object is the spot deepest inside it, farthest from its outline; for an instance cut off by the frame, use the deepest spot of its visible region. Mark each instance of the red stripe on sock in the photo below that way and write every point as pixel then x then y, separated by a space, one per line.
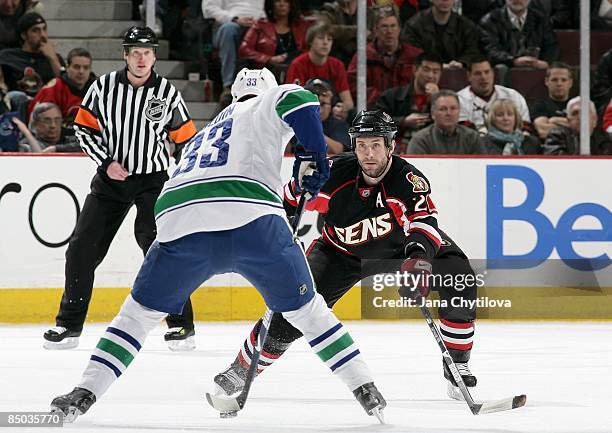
pixel 467 346
pixel 269 355
pixel 457 325
pixel 243 361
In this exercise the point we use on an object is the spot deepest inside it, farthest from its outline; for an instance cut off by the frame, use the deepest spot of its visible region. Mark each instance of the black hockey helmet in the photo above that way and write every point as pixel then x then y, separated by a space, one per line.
pixel 373 123
pixel 140 37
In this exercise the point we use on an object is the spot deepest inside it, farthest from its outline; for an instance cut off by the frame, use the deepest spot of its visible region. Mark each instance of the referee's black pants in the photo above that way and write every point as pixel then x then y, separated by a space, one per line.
pixel 103 213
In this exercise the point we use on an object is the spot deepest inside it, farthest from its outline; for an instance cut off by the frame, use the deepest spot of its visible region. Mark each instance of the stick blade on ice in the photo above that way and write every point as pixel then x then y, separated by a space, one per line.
pixel 501 405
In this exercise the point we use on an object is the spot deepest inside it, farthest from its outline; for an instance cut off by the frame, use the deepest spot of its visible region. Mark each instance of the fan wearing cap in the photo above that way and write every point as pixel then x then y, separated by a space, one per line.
pixel 36 52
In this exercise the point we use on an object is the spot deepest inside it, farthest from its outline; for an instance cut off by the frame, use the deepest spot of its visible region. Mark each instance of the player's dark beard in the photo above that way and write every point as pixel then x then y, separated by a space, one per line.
pixel 379 172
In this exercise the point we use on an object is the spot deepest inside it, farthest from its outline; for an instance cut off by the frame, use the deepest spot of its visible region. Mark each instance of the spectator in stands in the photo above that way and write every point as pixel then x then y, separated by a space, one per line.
pixel 607 119
pixel 445 33
pixel 317 63
pixel 550 112
pixel 516 35
pixel 559 12
pixel 565 140
pixel 602 82
pixel 334 130
pixel 409 105
pixel 505 135
pixel 36 62
pixel 476 99
pixel 277 39
pixel 68 90
pixel 601 15
pixel 10 13
pixel 342 16
pixel 446 136
pixel 47 132
pixel 389 62
pixel 234 18
pixel 474 10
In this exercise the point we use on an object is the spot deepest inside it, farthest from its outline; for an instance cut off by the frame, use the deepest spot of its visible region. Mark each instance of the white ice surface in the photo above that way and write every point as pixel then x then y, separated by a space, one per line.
pixel 564 368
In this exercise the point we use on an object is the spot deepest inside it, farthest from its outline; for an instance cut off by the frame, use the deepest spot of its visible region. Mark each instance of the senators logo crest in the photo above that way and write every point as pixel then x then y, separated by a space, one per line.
pixel 155 109
pixel 418 183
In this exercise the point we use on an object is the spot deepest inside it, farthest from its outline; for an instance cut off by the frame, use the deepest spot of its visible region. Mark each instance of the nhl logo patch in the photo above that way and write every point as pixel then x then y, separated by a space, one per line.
pixel 155 109
pixel 365 193
pixel 303 289
pixel 418 183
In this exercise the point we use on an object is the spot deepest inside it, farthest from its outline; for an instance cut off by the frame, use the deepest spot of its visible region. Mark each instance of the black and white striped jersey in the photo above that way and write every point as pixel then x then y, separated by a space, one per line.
pixel 119 122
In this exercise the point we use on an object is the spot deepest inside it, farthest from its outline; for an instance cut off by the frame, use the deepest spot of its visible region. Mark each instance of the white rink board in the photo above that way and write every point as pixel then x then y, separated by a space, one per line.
pixel 461 188
pixel 562 367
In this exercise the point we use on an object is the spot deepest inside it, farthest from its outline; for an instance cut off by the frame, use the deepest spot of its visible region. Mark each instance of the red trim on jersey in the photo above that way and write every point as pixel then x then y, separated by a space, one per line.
pixel 311 246
pixel 457 325
pixel 329 241
pixel 467 346
pixel 319 204
pixel 426 233
pixel 417 215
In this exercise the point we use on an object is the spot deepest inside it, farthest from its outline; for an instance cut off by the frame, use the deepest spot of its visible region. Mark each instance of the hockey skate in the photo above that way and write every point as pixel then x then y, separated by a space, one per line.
pixel 230 382
pixel 73 404
pixel 371 400
pixel 468 378
pixel 180 339
pixel 60 338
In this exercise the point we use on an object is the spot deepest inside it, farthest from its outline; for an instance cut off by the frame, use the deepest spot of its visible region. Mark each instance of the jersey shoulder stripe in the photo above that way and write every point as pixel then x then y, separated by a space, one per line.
pixel 228 188
pixel 294 99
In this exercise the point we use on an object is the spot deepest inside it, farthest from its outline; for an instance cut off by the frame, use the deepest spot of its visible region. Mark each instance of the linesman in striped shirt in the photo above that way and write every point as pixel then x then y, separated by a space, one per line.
pixel 124 124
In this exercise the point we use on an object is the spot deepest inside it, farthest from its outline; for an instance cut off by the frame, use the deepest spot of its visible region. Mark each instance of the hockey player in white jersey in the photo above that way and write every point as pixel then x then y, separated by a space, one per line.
pixel 222 211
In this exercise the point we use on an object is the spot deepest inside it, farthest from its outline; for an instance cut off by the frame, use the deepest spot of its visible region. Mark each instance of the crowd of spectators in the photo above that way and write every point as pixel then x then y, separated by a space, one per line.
pixel 416 50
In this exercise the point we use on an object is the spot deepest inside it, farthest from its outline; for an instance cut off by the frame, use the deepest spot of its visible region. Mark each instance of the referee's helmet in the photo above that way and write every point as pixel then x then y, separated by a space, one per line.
pixel 140 37
pixel 374 123
pixel 252 82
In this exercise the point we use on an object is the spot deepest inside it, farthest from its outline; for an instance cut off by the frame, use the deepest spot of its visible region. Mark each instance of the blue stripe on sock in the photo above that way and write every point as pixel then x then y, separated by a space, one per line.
pixel 344 360
pixel 107 363
pixel 325 335
pixel 127 337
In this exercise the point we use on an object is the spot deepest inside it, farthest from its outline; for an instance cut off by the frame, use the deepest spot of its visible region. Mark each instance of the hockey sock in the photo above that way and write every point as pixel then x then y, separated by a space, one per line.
pixel 458 336
pixel 119 345
pixel 331 342
pixel 274 347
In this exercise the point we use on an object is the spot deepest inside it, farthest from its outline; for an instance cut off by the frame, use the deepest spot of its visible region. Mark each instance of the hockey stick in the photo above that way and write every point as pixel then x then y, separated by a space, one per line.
pixel 476 408
pixel 227 405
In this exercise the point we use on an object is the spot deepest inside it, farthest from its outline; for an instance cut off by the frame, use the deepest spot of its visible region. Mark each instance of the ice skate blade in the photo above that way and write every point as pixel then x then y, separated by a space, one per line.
pixel 378 413
pixel 185 345
pixel 65 344
pixel 454 392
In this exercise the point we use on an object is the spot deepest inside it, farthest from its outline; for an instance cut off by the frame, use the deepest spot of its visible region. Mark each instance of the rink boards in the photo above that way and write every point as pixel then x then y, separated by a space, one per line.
pixel 541 217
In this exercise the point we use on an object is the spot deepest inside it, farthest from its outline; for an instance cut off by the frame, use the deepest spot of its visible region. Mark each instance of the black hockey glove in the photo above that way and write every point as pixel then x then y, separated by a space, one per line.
pixel 416 270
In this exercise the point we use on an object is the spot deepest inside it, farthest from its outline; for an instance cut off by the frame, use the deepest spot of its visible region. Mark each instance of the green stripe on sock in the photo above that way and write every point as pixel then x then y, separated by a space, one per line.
pixel 119 352
pixel 336 347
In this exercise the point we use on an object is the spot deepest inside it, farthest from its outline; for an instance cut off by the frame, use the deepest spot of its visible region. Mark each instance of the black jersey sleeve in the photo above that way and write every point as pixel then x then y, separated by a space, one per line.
pixel 339 166
pixel 408 195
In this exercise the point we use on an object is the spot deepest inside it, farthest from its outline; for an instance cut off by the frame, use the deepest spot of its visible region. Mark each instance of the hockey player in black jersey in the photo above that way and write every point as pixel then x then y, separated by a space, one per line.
pixel 375 206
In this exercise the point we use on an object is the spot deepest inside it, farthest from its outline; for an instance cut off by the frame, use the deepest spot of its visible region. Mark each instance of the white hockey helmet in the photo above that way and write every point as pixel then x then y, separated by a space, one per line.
pixel 252 82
